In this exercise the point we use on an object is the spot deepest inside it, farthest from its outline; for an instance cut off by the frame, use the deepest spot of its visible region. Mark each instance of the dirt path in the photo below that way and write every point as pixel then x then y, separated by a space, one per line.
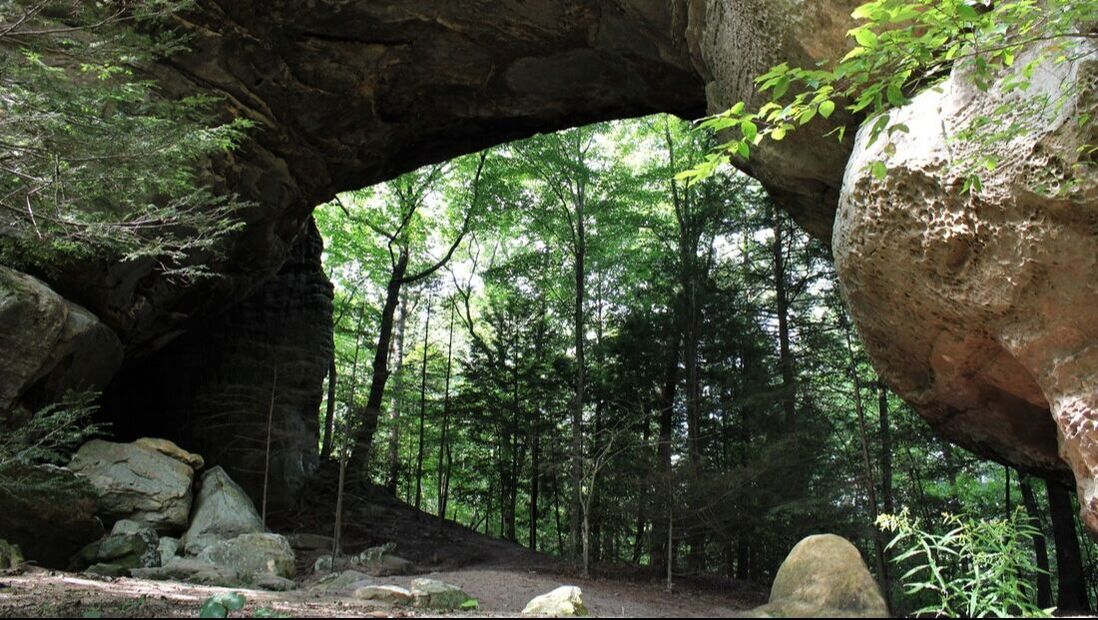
pixel 501 592
pixel 501 575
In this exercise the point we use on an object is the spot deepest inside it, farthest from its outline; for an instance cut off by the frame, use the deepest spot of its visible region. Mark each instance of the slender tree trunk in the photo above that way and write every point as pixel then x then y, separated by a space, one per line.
pixel 789 397
pixel 364 439
pixel 443 446
pixel 394 428
pixel 887 502
pixel 867 467
pixel 422 406
pixel 329 413
pixel 535 479
pixel 579 327
pixel 661 551
pixel 1040 546
pixel 1072 592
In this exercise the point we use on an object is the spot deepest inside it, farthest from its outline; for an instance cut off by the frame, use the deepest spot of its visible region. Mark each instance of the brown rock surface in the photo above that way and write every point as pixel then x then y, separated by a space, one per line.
pixel 981 309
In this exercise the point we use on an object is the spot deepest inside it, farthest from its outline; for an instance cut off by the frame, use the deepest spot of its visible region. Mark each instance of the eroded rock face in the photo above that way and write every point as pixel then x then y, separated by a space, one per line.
pixel 212 388
pixel 981 308
pixel 737 41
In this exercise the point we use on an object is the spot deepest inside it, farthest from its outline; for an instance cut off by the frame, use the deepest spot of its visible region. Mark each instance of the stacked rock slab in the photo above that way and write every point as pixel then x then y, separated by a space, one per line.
pixel 139 482
pixel 222 511
pixel 51 515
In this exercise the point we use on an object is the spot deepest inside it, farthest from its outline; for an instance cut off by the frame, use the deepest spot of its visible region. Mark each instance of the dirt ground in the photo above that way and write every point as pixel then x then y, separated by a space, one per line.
pixel 501 575
pixel 501 592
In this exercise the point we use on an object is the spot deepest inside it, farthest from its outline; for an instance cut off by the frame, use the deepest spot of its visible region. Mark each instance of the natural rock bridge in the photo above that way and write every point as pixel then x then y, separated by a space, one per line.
pixel 982 311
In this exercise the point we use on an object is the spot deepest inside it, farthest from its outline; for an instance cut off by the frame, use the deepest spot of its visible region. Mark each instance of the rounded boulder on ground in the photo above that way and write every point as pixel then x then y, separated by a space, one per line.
pixel 824 577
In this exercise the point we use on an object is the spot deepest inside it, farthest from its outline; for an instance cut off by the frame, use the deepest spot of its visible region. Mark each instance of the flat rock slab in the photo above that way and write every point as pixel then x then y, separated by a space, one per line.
pixel 390 595
pixel 253 555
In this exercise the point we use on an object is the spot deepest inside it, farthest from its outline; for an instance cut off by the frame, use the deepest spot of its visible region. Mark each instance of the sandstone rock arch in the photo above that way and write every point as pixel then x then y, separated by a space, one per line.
pixel 346 93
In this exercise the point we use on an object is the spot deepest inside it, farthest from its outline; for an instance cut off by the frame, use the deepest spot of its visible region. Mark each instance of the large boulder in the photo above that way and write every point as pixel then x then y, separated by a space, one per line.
pixel 222 511
pixel 51 345
pixel 981 307
pixel 824 577
pixel 137 482
pixel 48 511
pixel 253 555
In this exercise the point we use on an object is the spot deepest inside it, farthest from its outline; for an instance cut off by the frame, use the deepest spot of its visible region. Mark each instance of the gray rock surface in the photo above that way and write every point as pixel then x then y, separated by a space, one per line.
pixel 136 483
pixel 222 511
pixel 252 555
pixel 390 595
pixel 437 595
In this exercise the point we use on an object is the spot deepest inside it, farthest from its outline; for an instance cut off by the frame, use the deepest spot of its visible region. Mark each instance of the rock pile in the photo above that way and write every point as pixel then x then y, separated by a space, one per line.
pixel 145 489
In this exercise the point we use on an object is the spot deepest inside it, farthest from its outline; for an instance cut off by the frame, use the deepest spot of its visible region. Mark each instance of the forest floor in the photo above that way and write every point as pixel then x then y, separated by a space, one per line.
pixel 502 576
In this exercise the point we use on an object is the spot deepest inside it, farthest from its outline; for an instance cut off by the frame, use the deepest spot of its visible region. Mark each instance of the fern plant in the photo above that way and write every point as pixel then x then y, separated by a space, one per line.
pixel 967 566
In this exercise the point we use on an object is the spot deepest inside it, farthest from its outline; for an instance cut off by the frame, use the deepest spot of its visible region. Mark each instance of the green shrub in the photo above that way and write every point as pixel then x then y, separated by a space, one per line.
pixel 966 566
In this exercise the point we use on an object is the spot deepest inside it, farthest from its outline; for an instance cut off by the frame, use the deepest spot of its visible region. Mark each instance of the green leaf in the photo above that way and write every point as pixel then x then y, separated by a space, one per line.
pixel 879 170
pixel 471 603
pixel 779 133
pixel 827 108
pixel 865 37
pixel 749 129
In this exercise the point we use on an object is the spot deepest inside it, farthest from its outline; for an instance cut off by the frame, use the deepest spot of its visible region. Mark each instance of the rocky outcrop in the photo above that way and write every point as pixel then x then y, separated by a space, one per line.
pixel 49 512
pixel 213 387
pixel 136 482
pixel 735 42
pixel 975 308
pixel 981 308
pixel 824 577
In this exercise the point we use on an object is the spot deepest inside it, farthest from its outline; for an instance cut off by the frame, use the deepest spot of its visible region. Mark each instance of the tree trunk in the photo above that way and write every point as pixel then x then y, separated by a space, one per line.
pixel 887 502
pixel 329 413
pixel 581 378
pixel 661 551
pixel 789 402
pixel 394 428
pixel 1040 546
pixel 364 439
pixel 1072 593
pixel 422 406
pixel 443 446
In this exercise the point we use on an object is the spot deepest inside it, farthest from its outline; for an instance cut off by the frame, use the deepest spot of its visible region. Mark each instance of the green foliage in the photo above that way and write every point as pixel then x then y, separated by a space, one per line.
pixel 904 46
pixel 221 604
pixel 967 566
pixel 50 435
pixel 95 162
